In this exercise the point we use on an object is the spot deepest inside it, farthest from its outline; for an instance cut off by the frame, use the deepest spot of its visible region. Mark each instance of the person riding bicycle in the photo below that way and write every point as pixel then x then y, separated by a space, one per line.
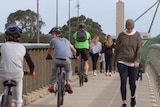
pixel 63 50
pixel 11 67
pixel 82 44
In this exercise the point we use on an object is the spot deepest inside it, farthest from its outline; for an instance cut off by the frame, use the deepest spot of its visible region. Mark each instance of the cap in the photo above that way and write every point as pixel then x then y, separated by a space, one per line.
pixel 129 24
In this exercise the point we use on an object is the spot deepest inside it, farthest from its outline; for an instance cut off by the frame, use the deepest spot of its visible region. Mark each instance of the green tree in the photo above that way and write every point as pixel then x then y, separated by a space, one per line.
pixel 27 20
pixel 93 27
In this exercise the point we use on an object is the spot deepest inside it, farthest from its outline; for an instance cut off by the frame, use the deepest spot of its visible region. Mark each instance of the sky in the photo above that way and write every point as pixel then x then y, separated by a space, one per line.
pixel 101 11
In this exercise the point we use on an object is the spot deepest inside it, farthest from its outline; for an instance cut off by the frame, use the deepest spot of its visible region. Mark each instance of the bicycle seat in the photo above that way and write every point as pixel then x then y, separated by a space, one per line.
pixel 9 83
pixel 60 65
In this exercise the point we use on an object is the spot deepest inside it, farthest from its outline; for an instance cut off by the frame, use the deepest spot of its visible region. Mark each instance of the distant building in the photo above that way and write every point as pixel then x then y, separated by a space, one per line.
pixel 119 17
pixel 145 35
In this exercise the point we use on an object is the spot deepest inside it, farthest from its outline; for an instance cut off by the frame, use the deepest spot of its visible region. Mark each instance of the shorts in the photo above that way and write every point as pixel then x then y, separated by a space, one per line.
pixel 84 53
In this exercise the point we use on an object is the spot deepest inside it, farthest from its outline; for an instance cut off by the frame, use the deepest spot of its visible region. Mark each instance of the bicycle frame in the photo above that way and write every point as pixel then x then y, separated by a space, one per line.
pixel 60 86
pixel 7 96
pixel 80 73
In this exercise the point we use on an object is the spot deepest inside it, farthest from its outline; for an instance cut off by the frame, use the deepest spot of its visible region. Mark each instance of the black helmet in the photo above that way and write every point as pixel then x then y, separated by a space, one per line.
pixel 81 25
pixel 57 30
pixel 13 31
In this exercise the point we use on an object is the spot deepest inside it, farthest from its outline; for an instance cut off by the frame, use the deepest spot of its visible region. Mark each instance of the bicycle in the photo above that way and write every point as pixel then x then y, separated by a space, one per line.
pixel 81 73
pixel 60 85
pixel 7 96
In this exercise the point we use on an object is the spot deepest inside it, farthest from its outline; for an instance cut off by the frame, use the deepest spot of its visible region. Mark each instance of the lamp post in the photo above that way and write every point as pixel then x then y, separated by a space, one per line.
pixel 57 13
pixel 69 22
pixel 37 21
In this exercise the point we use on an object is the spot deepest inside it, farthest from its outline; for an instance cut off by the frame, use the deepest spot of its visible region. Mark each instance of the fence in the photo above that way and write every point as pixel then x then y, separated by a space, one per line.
pixel 152 67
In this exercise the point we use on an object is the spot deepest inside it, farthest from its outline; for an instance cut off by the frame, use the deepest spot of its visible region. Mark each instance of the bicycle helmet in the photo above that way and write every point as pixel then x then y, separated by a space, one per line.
pixel 13 31
pixel 57 30
pixel 81 25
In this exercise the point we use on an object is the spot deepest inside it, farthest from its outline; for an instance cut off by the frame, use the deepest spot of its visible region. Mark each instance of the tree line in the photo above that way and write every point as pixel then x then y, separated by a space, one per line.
pixel 27 20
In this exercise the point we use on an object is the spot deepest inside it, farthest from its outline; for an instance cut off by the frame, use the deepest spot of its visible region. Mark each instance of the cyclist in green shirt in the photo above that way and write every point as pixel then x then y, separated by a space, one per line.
pixel 82 44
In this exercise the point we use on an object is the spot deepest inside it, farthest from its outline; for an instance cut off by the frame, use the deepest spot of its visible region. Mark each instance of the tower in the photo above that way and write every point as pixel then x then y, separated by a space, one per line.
pixel 119 17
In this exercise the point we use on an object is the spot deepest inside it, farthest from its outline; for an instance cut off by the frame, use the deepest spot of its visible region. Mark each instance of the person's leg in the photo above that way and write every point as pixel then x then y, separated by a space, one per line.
pixel 54 72
pixel 122 69
pixel 18 92
pixel 68 69
pixel 132 73
pixel 110 64
pixel 95 59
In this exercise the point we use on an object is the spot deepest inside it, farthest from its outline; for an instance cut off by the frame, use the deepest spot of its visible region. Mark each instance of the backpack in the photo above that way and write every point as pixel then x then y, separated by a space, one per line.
pixel 81 36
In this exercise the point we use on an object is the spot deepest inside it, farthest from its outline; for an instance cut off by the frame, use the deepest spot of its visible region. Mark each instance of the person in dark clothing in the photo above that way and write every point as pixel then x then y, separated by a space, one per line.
pixel 108 50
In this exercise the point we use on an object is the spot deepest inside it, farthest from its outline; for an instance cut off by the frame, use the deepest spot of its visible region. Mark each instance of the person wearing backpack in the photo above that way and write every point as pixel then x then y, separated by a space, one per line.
pixel 82 44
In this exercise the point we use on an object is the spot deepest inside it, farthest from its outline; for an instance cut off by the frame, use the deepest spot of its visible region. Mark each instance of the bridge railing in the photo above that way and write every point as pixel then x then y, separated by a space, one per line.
pixel 43 68
pixel 152 67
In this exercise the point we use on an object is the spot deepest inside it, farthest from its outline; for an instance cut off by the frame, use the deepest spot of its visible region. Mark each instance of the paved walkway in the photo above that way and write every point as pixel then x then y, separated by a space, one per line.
pixel 101 91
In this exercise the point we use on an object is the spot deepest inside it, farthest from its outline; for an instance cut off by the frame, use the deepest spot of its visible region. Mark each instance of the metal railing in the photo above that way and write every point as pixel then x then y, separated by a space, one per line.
pixel 152 67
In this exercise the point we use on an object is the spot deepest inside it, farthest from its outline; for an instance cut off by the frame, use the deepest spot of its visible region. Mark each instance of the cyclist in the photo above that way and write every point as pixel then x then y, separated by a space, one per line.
pixel 11 67
pixel 82 44
pixel 62 53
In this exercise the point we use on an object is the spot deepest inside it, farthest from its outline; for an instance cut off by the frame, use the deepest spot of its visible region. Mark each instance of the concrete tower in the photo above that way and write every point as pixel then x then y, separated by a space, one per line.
pixel 119 17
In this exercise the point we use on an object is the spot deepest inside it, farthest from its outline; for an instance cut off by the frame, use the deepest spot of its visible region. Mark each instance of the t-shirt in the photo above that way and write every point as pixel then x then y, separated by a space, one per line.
pixel 61 47
pixel 12 55
pixel 84 44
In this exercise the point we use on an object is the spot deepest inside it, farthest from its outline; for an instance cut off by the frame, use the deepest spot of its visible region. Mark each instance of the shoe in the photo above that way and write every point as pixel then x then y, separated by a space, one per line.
pixel 85 78
pixel 110 74
pixel 76 69
pixel 100 71
pixel 51 89
pixel 124 105
pixel 133 102
pixel 94 74
pixel 106 74
pixel 68 88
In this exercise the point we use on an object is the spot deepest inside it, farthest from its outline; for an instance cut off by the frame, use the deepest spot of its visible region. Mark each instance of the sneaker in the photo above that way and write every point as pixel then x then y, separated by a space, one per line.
pixel 110 74
pixel 133 102
pixel 124 105
pixel 51 89
pixel 106 74
pixel 68 88
pixel 85 78
pixel 76 69
pixel 94 74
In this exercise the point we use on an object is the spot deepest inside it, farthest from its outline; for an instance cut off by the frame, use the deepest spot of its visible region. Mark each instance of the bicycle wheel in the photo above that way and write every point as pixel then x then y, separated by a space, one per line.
pixel 3 101
pixel 8 101
pixel 59 96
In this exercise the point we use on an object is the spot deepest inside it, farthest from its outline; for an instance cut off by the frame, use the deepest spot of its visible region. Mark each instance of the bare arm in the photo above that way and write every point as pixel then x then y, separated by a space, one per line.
pixel 73 49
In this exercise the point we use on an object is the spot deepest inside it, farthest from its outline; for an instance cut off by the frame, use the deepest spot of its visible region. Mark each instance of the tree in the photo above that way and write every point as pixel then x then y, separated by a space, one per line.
pixel 93 27
pixel 27 20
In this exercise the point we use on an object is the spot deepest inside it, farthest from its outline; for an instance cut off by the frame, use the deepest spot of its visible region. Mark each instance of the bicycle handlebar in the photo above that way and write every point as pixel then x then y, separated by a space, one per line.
pixel 29 73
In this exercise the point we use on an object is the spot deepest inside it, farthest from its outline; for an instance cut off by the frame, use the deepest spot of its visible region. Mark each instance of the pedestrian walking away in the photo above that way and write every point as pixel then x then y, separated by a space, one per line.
pixel 108 51
pixel 126 57
pixel 95 48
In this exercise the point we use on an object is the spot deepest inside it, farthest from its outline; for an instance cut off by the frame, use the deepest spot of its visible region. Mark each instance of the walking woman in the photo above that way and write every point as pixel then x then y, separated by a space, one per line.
pixel 108 50
pixel 96 48
pixel 126 55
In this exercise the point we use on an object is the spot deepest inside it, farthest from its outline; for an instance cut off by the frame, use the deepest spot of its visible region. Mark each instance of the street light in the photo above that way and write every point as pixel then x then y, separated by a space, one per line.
pixel 69 21
pixel 37 21
pixel 57 13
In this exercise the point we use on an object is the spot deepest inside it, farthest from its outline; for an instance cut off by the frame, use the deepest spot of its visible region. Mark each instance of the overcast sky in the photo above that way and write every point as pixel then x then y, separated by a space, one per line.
pixel 101 11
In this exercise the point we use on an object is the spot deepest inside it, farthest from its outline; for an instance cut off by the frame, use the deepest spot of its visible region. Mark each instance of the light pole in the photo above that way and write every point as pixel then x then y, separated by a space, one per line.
pixel 57 13
pixel 69 22
pixel 37 21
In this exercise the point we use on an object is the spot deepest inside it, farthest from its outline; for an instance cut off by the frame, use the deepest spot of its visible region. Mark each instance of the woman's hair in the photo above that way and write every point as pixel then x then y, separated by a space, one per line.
pixel 95 39
pixel 108 41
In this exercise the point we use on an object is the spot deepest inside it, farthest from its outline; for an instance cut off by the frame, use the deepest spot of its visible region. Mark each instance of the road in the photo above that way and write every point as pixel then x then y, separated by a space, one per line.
pixel 100 91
